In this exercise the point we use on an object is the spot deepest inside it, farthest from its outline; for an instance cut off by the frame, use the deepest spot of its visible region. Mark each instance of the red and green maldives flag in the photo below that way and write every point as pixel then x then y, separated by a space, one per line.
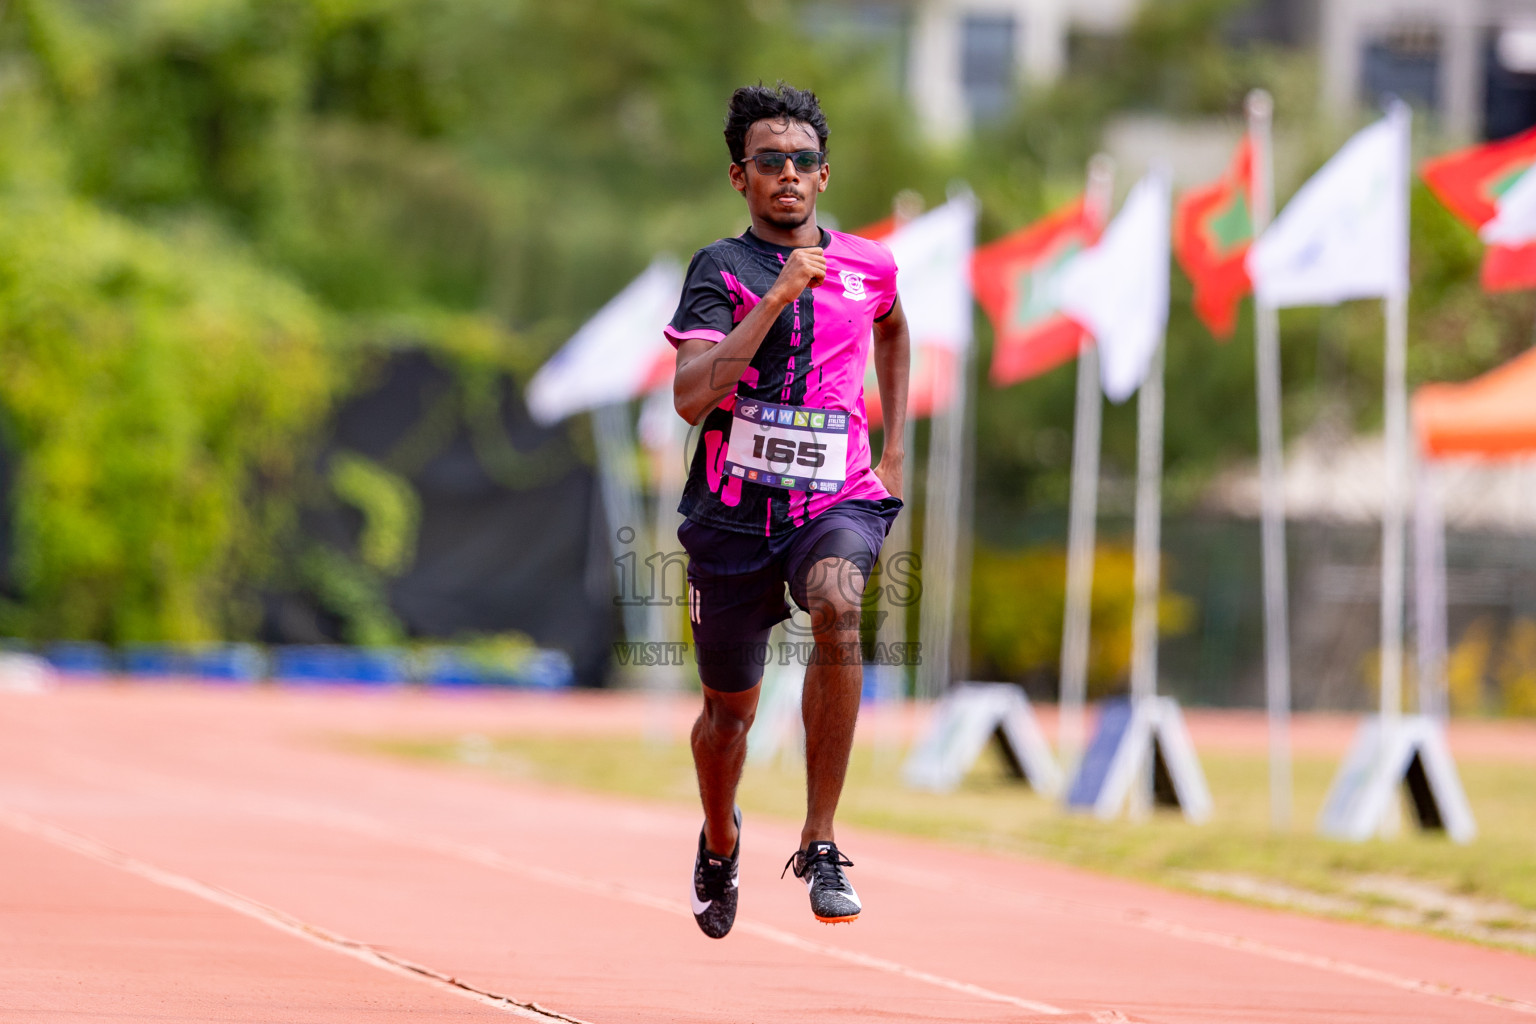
pixel 1014 280
pixel 1212 230
pixel 1472 183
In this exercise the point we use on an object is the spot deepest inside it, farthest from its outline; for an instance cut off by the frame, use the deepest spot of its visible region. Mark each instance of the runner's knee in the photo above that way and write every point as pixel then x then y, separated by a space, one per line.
pixel 834 594
pixel 729 715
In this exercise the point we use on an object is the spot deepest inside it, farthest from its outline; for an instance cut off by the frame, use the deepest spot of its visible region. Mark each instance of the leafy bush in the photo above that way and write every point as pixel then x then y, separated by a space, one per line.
pixel 1516 672
pixel 1467 666
pixel 151 384
pixel 1018 603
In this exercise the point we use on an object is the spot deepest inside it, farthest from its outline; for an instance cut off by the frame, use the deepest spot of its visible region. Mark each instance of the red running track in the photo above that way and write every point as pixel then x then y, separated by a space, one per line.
pixel 182 854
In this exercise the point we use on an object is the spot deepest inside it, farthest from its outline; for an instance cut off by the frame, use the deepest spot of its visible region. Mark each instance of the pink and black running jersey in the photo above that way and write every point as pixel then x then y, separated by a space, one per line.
pixel 813 357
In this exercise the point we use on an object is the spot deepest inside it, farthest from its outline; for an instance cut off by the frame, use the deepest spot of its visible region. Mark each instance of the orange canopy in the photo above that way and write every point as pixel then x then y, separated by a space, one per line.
pixel 1492 415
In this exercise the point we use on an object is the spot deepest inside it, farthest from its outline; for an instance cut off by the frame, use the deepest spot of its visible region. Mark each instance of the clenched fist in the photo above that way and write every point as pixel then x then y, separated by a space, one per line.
pixel 805 268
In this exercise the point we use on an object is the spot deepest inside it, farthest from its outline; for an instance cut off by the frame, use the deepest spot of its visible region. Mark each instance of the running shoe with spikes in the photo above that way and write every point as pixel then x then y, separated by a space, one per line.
pixel 820 865
pixel 713 895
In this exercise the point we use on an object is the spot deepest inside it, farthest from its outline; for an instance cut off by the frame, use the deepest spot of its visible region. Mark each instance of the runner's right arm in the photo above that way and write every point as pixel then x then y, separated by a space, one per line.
pixel 707 370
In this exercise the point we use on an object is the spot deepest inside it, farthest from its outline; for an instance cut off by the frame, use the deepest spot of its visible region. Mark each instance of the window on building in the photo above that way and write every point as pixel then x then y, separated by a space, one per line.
pixel 881 30
pixel 1404 64
pixel 1509 86
pixel 988 43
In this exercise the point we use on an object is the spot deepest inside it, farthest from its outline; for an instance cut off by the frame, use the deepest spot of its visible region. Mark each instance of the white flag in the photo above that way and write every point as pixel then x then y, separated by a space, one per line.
pixel 1118 289
pixel 1515 222
pixel 933 261
pixel 611 357
pixel 1345 234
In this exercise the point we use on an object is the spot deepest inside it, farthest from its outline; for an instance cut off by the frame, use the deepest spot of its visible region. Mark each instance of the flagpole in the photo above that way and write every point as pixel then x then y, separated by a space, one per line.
pixel 1149 487
pixel 1396 441
pixel 1277 654
pixel 1083 515
pixel 662 433
pixel 891 691
pixel 891 619
pixel 1429 589
pixel 620 494
pixel 940 515
pixel 1149 508
pixel 1149 501
pixel 941 571
pixel 1392 527
pixel 965 516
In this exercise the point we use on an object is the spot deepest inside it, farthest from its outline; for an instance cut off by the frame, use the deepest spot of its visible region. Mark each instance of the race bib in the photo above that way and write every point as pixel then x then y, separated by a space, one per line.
pixel 788 446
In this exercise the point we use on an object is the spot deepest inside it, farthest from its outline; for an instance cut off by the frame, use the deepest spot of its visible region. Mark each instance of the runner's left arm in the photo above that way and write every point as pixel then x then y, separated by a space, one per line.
pixel 892 365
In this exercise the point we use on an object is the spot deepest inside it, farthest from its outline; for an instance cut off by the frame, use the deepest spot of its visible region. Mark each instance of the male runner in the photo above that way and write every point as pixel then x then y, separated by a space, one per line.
pixel 772 336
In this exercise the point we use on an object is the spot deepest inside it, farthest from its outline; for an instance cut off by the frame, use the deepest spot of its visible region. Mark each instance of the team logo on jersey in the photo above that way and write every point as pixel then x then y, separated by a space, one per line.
pixel 853 285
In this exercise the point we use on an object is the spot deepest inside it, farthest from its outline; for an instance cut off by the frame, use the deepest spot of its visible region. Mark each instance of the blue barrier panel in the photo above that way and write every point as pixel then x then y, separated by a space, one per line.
pixel 870 688
pixel 1114 720
pixel 378 665
pixel 314 664
pixel 155 660
pixel 458 667
pixel 547 670
pixel 442 666
pixel 80 658
pixel 322 664
pixel 229 663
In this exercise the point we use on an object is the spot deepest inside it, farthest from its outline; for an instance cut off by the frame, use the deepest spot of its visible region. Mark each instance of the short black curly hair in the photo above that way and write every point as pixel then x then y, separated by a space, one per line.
pixel 783 102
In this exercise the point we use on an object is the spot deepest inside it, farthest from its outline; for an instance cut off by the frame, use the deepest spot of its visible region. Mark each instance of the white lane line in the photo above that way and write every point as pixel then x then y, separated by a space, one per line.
pixel 275 918
pixel 891 967
pixel 486 857
pixel 490 858
pixel 306 812
pixel 941 883
pixel 290 809
pixel 1326 963
pixel 372 828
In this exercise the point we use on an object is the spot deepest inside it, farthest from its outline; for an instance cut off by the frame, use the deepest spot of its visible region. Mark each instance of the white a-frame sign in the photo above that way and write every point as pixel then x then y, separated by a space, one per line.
pixel 1387 751
pixel 964 721
pixel 1131 734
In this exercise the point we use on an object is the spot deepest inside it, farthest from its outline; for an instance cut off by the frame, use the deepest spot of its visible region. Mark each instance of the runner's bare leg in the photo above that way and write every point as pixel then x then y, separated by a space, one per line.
pixel 833 683
pixel 719 752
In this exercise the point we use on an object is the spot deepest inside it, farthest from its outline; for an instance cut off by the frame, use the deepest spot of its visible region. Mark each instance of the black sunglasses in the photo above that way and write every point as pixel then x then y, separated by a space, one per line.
pixel 806 161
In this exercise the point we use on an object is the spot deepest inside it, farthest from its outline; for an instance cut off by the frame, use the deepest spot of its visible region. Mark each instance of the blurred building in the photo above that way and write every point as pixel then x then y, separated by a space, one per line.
pixel 1469 64
pixel 964 61
pixel 970 57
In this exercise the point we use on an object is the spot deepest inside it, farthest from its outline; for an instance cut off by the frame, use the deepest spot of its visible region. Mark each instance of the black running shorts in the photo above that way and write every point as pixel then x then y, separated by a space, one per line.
pixel 736 582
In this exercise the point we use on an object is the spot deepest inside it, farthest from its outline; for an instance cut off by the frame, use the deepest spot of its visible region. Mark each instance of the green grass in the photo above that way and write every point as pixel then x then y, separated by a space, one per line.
pixel 993 812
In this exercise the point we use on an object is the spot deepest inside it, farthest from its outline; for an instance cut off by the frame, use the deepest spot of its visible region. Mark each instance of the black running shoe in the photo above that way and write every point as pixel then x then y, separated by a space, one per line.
pixel 821 865
pixel 714 887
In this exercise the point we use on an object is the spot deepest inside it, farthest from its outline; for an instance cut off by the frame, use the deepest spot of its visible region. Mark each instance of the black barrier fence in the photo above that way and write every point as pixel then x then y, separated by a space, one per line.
pixel 1335 593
